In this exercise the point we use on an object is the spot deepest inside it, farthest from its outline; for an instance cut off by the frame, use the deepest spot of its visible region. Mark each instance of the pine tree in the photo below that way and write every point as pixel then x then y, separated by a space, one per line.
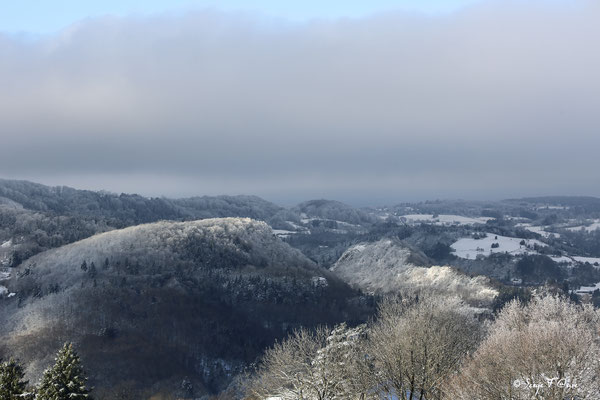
pixel 92 271
pixel 12 385
pixel 66 379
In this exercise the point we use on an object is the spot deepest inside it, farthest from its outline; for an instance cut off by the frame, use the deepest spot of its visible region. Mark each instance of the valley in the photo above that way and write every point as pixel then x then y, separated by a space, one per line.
pixel 159 291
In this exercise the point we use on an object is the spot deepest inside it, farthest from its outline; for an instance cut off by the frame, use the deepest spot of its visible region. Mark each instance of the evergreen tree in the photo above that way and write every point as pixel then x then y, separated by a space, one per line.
pixel 66 379
pixel 12 385
pixel 92 271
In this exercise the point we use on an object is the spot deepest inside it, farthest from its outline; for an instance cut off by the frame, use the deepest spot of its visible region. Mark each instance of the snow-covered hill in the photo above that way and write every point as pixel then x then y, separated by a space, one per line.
pixel 158 302
pixel 375 266
pixel 208 243
pixel 389 266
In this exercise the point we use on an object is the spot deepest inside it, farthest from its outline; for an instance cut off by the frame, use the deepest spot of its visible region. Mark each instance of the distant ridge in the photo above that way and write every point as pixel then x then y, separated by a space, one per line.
pixel 132 209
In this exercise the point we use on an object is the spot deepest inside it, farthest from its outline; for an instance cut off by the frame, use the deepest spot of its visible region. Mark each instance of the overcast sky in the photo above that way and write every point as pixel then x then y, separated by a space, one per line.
pixel 490 100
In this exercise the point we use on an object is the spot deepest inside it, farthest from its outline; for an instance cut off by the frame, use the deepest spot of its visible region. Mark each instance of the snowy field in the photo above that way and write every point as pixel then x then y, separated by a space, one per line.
pixel 284 233
pixel 595 224
pixel 562 259
pixel 549 207
pixel 572 260
pixel 281 233
pixel 588 289
pixel 470 248
pixel 443 219
pixel 540 230
pixel 591 260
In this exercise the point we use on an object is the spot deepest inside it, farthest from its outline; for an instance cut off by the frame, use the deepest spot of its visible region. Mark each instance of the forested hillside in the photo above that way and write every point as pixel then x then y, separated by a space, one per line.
pixel 152 304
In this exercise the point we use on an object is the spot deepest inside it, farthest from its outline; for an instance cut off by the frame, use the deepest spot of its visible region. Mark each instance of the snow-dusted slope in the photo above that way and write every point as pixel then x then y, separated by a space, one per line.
pixel 448 280
pixel 374 266
pixel 390 266
pixel 154 303
pixel 241 241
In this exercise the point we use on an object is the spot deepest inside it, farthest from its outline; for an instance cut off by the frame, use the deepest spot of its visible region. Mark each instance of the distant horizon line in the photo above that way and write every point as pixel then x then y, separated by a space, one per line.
pixel 292 204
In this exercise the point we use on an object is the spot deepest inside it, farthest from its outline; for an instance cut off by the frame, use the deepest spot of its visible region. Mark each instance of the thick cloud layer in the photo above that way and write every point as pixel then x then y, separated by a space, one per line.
pixel 501 99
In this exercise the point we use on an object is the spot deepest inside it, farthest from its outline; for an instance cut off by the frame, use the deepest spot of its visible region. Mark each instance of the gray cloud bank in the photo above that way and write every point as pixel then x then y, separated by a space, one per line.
pixel 498 100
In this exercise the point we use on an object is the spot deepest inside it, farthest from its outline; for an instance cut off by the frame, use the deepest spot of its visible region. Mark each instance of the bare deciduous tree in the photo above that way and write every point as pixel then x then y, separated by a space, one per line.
pixel 547 349
pixel 319 365
pixel 416 344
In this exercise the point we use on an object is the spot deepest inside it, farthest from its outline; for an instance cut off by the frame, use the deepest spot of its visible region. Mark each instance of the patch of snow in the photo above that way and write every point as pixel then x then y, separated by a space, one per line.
pixel 383 216
pixel 470 248
pixel 347 224
pixel 588 289
pixel 359 247
pixel 340 231
pixel 296 226
pixel 548 207
pixel 540 230
pixel 591 260
pixel 5 252
pixel 443 219
pixel 562 259
pixel 571 260
pixel 304 218
pixel 319 282
pixel 4 260
pixel 587 228
pixel 282 233
pixel 516 219
pixel 4 276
